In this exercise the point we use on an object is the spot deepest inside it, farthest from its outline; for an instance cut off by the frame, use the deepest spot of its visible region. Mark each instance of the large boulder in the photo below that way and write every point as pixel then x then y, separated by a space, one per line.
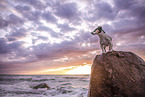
pixel 117 74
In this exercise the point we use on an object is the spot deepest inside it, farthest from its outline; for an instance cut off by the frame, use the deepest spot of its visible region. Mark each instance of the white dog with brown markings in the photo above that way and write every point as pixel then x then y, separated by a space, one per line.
pixel 105 39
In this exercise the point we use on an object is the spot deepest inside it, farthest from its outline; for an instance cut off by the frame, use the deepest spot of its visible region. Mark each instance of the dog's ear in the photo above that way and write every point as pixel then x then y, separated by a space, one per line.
pixel 103 31
pixel 92 33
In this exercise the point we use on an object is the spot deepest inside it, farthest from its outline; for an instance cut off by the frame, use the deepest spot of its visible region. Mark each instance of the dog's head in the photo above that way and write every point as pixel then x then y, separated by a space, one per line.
pixel 97 30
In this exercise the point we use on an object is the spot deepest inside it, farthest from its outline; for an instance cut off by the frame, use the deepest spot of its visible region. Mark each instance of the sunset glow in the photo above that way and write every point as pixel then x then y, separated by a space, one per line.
pixel 71 70
pixel 56 70
pixel 86 69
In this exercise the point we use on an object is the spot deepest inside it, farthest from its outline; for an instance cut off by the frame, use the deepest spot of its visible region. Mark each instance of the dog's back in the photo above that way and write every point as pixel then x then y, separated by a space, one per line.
pixel 104 38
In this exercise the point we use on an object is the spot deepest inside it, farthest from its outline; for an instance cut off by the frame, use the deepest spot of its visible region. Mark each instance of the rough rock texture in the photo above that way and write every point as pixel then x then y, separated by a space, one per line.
pixel 42 85
pixel 117 74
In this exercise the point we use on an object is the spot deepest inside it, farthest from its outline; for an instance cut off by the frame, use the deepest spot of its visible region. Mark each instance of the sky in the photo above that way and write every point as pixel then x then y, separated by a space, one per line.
pixel 54 36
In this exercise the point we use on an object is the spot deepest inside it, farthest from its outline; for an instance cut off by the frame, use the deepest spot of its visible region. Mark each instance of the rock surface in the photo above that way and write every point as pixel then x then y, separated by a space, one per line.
pixel 117 74
pixel 42 85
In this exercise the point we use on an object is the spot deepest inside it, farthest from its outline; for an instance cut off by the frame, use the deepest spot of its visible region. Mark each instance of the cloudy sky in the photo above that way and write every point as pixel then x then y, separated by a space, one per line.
pixel 53 36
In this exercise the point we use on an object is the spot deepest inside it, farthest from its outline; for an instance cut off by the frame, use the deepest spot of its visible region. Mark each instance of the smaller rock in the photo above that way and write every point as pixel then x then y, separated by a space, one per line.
pixel 63 91
pixel 42 85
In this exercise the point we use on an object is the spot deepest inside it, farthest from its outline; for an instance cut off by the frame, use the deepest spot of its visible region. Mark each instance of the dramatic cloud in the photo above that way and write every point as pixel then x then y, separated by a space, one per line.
pixel 3 47
pixel 27 12
pixel 54 33
pixel 101 11
pixel 9 47
pixel 37 4
pixel 123 5
pixel 49 17
pixel 67 11
pixel 3 23
pixel 65 27
pixel 48 30
pixel 18 33
pixel 10 20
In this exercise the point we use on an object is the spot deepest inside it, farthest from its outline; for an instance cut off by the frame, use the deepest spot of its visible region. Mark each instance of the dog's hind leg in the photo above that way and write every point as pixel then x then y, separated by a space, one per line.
pixel 110 47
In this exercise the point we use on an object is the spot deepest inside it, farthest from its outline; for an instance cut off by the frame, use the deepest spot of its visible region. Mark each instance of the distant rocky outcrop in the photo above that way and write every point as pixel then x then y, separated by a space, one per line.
pixel 41 85
pixel 117 74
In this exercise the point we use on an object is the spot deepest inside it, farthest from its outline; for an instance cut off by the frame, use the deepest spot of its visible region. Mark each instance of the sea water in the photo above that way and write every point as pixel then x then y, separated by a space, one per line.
pixel 61 85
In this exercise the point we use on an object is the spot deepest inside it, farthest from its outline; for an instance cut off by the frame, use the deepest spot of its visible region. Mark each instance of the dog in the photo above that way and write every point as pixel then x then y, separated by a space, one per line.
pixel 105 39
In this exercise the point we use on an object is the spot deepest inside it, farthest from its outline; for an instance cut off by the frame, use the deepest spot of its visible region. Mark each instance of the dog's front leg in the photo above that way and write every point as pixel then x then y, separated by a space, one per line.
pixel 105 48
pixel 102 47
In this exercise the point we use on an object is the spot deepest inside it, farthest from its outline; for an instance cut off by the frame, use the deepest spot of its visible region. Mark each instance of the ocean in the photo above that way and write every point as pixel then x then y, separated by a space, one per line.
pixel 60 85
